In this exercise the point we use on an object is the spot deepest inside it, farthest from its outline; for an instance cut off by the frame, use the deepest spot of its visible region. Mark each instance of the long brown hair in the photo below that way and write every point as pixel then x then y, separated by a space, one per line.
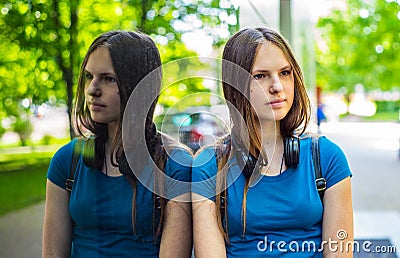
pixel 134 55
pixel 237 62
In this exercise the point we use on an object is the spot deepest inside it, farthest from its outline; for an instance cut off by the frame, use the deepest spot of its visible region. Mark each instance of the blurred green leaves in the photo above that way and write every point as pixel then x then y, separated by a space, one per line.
pixel 360 45
pixel 42 42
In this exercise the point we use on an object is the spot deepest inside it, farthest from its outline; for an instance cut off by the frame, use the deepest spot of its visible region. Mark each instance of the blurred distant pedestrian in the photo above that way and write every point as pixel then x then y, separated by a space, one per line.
pixel 320 116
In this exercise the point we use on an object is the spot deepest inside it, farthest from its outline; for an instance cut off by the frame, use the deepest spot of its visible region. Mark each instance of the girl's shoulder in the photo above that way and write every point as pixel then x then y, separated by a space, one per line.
pixel 170 145
pixel 218 148
pixel 206 159
pixel 60 165
pixel 214 150
pixel 66 149
pixel 324 142
pixel 176 151
pixel 76 147
pixel 333 160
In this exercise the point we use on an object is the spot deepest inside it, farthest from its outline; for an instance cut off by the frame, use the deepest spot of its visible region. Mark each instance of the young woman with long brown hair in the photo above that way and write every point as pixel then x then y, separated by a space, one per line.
pixel 111 210
pixel 254 191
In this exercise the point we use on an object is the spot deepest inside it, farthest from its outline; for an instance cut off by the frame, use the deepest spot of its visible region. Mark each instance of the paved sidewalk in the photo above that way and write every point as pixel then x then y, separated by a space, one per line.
pixel 378 225
pixel 21 233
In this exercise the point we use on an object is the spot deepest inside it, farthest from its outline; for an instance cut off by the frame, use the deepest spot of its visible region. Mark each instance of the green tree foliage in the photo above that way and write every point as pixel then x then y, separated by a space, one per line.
pixel 39 45
pixel 360 45
pixel 166 21
pixel 42 42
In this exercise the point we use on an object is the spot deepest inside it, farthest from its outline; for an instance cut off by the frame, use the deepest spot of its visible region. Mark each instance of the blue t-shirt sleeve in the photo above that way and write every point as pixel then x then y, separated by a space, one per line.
pixel 59 168
pixel 334 164
pixel 178 169
pixel 204 171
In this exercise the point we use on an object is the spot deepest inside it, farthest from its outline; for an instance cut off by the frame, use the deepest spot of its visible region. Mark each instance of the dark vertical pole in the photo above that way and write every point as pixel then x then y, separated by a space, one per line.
pixel 319 95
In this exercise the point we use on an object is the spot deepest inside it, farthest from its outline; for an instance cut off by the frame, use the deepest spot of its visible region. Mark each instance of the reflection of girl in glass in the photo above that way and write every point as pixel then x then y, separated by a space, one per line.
pixel 95 219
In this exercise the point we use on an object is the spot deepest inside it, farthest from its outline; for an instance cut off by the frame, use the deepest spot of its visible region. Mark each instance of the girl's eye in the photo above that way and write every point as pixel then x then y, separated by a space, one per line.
pixel 88 76
pixel 286 72
pixel 258 76
pixel 110 79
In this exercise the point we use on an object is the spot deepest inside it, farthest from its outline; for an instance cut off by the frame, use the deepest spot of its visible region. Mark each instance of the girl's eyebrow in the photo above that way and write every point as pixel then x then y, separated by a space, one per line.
pixel 267 71
pixel 107 74
pixel 101 74
pixel 286 67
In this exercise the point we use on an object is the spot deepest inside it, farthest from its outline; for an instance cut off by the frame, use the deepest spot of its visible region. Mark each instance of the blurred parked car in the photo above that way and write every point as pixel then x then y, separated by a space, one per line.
pixel 194 129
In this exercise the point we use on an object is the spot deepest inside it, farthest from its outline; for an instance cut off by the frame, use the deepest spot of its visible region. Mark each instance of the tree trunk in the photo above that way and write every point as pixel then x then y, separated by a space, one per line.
pixel 73 57
pixel 66 66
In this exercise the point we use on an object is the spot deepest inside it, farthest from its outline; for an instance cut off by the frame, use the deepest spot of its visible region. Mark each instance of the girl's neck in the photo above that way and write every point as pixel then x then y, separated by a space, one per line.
pixel 272 147
pixel 270 133
pixel 109 167
pixel 112 130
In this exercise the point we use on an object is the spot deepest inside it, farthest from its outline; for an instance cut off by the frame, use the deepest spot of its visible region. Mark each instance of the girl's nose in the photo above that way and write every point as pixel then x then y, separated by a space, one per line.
pixel 93 89
pixel 276 85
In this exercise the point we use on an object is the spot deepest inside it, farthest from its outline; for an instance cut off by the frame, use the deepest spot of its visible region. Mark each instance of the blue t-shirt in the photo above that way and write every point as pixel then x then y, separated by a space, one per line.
pixel 283 212
pixel 101 207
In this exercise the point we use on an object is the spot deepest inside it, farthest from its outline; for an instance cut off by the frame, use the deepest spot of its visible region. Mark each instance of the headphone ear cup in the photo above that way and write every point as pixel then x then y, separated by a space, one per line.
pixel 292 151
pixel 249 167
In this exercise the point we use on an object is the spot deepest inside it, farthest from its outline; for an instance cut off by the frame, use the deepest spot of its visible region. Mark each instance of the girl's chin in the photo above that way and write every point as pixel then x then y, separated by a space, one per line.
pixel 272 118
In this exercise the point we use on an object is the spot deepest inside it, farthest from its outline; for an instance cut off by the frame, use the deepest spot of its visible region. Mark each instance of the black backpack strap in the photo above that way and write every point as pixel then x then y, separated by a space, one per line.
pixel 75 157
pixel 320 181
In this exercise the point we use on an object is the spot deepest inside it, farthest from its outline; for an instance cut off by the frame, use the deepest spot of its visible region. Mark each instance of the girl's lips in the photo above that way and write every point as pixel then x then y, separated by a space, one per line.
pixel 95 106
pixel 276 103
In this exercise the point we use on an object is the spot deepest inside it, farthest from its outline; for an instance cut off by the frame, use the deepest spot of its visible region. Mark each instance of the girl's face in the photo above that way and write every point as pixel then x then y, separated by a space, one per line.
pixel 272 86
pixel 101 88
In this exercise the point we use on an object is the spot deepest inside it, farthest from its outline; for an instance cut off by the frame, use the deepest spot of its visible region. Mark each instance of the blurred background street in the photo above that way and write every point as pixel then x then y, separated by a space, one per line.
pixel 373 153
